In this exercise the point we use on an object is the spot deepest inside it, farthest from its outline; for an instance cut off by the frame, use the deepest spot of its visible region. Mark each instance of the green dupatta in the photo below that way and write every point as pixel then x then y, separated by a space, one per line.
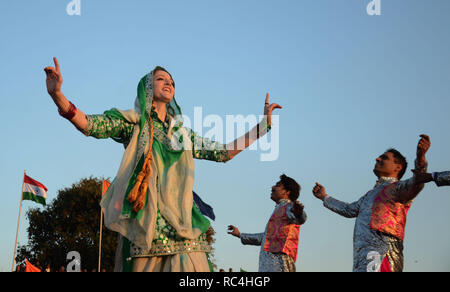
pixel 171 181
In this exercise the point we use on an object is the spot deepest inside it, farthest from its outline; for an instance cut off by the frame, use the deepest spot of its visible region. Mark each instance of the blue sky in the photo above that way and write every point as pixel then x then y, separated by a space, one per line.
pixel 351 86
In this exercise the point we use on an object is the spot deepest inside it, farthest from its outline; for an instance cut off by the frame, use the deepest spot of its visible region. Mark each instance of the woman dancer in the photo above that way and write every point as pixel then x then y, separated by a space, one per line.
pixel 150 202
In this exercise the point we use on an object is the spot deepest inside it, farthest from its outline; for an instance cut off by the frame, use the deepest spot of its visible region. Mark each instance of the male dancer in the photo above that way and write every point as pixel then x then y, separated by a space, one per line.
pixel 381 213
pixel 279 242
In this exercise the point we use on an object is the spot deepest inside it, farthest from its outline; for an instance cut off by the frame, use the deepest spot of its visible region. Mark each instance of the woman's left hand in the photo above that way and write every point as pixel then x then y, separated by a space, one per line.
pixel 268 109
pixel 254 134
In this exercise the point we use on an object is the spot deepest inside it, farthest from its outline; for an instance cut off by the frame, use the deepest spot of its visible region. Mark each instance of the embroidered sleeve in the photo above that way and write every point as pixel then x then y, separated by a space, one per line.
pixel 252 239
pixel 407 190
pixel 344 209
pixel 204 148
pixel 102 127
pixel 441 178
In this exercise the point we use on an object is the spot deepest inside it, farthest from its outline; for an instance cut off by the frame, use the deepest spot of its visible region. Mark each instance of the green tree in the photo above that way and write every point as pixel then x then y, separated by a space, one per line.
pixel 71 222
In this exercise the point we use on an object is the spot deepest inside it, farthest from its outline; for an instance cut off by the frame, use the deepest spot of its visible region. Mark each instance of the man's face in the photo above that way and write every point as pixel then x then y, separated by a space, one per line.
pixel 278 192
pixel 386 166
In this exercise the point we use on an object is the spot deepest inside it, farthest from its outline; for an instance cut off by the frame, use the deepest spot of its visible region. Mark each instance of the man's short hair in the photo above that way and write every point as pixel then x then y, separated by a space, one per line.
pixel 400 159
pixel 292 186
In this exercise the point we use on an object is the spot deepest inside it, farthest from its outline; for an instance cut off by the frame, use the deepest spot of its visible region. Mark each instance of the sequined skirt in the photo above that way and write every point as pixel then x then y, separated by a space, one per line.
pixel 166 242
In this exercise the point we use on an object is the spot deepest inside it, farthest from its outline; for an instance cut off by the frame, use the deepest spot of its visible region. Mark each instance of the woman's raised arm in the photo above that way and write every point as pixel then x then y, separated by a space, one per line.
pixel 254 134
pixel 65 107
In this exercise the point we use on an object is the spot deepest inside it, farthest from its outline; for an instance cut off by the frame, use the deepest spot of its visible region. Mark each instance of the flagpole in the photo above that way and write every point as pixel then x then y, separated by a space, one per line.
pixel 18 223
pixel 101 221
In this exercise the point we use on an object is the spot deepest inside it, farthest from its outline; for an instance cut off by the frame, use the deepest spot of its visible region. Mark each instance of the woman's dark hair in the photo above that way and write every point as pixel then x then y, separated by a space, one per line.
pixel 290 185
pixel 400 159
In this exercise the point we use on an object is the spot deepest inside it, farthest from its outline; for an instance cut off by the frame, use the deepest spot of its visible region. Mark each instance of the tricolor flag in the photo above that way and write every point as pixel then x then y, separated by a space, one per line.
pixel 33 190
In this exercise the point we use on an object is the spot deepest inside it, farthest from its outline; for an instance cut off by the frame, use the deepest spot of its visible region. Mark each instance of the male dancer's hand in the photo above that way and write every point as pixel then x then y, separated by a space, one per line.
pixel 319 191
pixel 297 208
pixel 422 148
pixel 234 231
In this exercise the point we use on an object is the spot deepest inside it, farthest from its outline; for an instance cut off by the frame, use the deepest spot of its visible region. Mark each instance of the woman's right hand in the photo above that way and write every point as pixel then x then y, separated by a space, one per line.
pixel 54 79
pixel 54 82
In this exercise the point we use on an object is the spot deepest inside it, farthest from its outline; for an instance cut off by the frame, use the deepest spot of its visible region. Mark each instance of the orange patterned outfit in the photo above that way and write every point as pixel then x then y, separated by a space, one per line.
pixel 279 243
pixel 380 223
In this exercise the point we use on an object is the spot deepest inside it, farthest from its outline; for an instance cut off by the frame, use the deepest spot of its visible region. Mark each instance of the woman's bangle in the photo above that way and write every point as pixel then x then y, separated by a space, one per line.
pixel 263 129
pixel 70 113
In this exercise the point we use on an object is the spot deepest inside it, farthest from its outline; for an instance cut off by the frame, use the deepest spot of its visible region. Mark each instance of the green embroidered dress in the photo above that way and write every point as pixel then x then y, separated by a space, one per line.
pixel 168 233
pixel 165 239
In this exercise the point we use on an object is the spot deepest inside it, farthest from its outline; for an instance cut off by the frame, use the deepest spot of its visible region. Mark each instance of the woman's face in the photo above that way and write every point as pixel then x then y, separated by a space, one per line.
pixel 163 90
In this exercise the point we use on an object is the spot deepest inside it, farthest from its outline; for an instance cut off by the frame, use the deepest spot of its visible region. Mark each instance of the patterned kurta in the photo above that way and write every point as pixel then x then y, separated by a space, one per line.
pixel 374 250
pixel 165 241
pixel 268 261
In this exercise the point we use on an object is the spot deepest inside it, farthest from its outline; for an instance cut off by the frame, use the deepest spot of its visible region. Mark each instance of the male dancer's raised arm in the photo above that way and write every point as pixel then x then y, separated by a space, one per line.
pixel 408 190
pixel 440 178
